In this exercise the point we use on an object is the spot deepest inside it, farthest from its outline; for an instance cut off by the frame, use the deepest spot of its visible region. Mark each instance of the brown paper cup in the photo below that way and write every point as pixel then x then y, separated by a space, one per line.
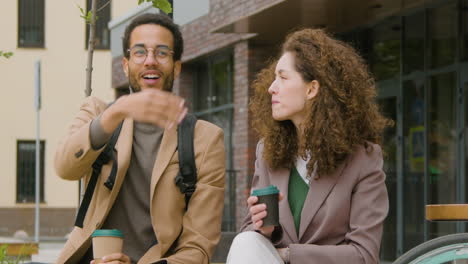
pixel 106 242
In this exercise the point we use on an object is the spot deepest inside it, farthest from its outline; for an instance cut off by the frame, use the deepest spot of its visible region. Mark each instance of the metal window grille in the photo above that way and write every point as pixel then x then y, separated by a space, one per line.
pixel 26 171
pixel 103 18
pixel 31 23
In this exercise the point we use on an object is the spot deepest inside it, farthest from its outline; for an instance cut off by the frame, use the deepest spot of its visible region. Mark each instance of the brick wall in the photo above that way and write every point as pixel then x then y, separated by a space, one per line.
pixel 54 222
pixel 227 11
pixel 183 85
pixel 198 41
pixel 241 126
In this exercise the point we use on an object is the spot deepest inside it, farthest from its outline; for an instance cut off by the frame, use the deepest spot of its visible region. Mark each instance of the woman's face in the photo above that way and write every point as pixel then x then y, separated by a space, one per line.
pixel 289 92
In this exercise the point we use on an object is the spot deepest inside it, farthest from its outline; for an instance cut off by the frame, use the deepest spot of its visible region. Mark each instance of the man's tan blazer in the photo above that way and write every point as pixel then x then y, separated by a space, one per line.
pixel 183 236
pixel 343 214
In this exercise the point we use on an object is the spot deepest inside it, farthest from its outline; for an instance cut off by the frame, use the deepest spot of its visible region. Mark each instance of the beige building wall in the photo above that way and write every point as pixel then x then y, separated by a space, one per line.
pixel 63 83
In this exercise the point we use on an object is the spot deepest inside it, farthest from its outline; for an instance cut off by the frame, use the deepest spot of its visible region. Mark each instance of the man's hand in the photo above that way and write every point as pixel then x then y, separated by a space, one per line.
pixel 152 106
pixel 115 258
pixel 258 212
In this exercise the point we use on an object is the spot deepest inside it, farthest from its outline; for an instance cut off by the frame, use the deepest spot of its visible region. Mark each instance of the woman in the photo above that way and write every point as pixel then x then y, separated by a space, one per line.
pixel 315 111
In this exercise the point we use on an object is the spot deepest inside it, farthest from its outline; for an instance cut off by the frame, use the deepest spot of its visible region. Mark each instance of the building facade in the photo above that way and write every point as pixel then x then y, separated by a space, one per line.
pixel 417 51
pixel 53 32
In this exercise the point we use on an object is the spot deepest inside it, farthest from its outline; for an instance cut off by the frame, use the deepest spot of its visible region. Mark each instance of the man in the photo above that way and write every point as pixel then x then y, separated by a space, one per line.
pixel 145 204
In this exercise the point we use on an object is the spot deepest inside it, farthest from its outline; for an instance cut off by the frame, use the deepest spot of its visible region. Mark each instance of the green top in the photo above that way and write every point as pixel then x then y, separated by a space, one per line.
pixel 297 193
pixel 107 232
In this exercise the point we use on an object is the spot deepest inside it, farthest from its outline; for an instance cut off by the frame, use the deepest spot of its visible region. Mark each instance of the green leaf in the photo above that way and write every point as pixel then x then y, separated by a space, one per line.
pixel 163 5
pixel 140 1
pixel 6 54
pixel 83 14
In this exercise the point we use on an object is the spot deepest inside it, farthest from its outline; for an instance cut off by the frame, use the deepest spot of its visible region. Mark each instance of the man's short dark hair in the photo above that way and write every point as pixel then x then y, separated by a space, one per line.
pixel 156 19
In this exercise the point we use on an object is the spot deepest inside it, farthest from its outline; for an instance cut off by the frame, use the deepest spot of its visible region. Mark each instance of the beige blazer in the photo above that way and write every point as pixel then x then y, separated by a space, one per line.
pixel 184 237
pixel 343 214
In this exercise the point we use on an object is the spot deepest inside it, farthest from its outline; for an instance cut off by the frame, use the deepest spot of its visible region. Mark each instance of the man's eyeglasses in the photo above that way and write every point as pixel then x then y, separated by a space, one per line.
pixel 138 54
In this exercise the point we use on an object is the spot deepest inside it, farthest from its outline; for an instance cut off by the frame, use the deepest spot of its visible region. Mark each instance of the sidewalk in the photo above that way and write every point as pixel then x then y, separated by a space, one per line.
pixel 48 252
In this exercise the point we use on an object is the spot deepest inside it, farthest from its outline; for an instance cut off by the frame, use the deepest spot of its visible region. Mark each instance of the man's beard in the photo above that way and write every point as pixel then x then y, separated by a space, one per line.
pixel 167 85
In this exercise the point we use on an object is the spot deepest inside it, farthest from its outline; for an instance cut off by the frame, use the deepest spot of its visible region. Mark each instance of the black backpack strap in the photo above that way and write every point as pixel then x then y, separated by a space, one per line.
pixel 106 155
pixel 111 179
pixel 186 179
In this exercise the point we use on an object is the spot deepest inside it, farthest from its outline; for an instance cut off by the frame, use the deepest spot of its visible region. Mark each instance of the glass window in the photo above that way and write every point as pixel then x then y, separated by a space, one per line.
pixel 31 23
pixel 26 171
pixel 465 88
pixel 221 74
pixel 413 43
pixel 385 56
pixel 442 147
pixel 213 102
pixel 413 163
pixel 388 107
pixel 202 93
pixel 102 31
pixel 442 27
pixel 464 13
pixel 359 40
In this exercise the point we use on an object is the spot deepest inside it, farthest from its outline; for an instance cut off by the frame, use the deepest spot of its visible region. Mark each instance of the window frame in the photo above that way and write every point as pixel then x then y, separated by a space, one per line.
pixel 106 6
pixel 41 14
pixel 208 110
pixel 25 198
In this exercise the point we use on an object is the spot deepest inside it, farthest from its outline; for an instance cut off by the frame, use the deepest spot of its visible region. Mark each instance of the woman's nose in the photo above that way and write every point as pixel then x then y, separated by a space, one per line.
pixel 272 89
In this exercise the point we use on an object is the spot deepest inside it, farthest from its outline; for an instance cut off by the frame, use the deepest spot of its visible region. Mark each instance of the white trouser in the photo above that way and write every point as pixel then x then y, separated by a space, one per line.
pixel 252 248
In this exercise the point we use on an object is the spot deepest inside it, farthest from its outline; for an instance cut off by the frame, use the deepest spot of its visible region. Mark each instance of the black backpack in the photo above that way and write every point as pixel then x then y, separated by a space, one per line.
pixel 186 179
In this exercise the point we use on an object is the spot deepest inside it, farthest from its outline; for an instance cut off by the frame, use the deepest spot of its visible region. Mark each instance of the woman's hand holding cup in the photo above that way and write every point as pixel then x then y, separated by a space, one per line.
pixel 259 212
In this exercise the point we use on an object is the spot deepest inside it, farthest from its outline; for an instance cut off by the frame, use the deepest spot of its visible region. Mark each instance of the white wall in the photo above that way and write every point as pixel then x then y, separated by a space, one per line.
pixel 63 83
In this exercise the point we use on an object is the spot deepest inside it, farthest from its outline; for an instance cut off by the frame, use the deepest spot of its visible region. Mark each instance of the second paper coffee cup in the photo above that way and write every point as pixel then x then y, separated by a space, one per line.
pixel 106 242
pixel 269 196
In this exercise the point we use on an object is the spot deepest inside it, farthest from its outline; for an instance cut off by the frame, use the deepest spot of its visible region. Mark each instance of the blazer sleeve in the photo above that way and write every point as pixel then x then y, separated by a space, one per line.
pixel 369 207
pixel 74 154
pixel 201 229
pixel 258 180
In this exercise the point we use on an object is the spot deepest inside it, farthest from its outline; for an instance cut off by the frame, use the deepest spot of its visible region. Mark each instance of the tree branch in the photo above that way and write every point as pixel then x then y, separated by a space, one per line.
pixel 92 36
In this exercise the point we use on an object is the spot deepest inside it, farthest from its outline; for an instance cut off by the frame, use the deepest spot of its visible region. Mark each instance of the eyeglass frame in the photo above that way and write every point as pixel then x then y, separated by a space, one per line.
pixel 154 50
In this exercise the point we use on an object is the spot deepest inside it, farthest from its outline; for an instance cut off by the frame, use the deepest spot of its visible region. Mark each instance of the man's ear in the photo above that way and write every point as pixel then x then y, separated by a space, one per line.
pixel 125 66
pixel 177 68
pixel 313 88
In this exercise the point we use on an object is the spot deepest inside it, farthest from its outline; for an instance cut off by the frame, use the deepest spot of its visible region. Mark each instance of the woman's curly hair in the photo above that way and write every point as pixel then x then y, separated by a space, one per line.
pixel 341 117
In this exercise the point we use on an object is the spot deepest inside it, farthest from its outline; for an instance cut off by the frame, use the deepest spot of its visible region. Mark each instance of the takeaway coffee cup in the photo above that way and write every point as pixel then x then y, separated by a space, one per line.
pixel 269 196
pixel 106 242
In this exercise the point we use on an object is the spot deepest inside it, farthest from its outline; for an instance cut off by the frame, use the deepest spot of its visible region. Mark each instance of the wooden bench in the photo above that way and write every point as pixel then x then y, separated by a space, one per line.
pixel 20 248
pixel 447 212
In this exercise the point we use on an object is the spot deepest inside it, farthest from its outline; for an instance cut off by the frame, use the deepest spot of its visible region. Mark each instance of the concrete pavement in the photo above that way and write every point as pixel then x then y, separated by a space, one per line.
pixel 48 252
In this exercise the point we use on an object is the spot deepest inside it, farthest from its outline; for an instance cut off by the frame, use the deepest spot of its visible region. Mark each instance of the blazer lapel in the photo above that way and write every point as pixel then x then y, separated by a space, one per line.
pixel 318 192
pixel 166 151
pixel 280 178
pixel 123 147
